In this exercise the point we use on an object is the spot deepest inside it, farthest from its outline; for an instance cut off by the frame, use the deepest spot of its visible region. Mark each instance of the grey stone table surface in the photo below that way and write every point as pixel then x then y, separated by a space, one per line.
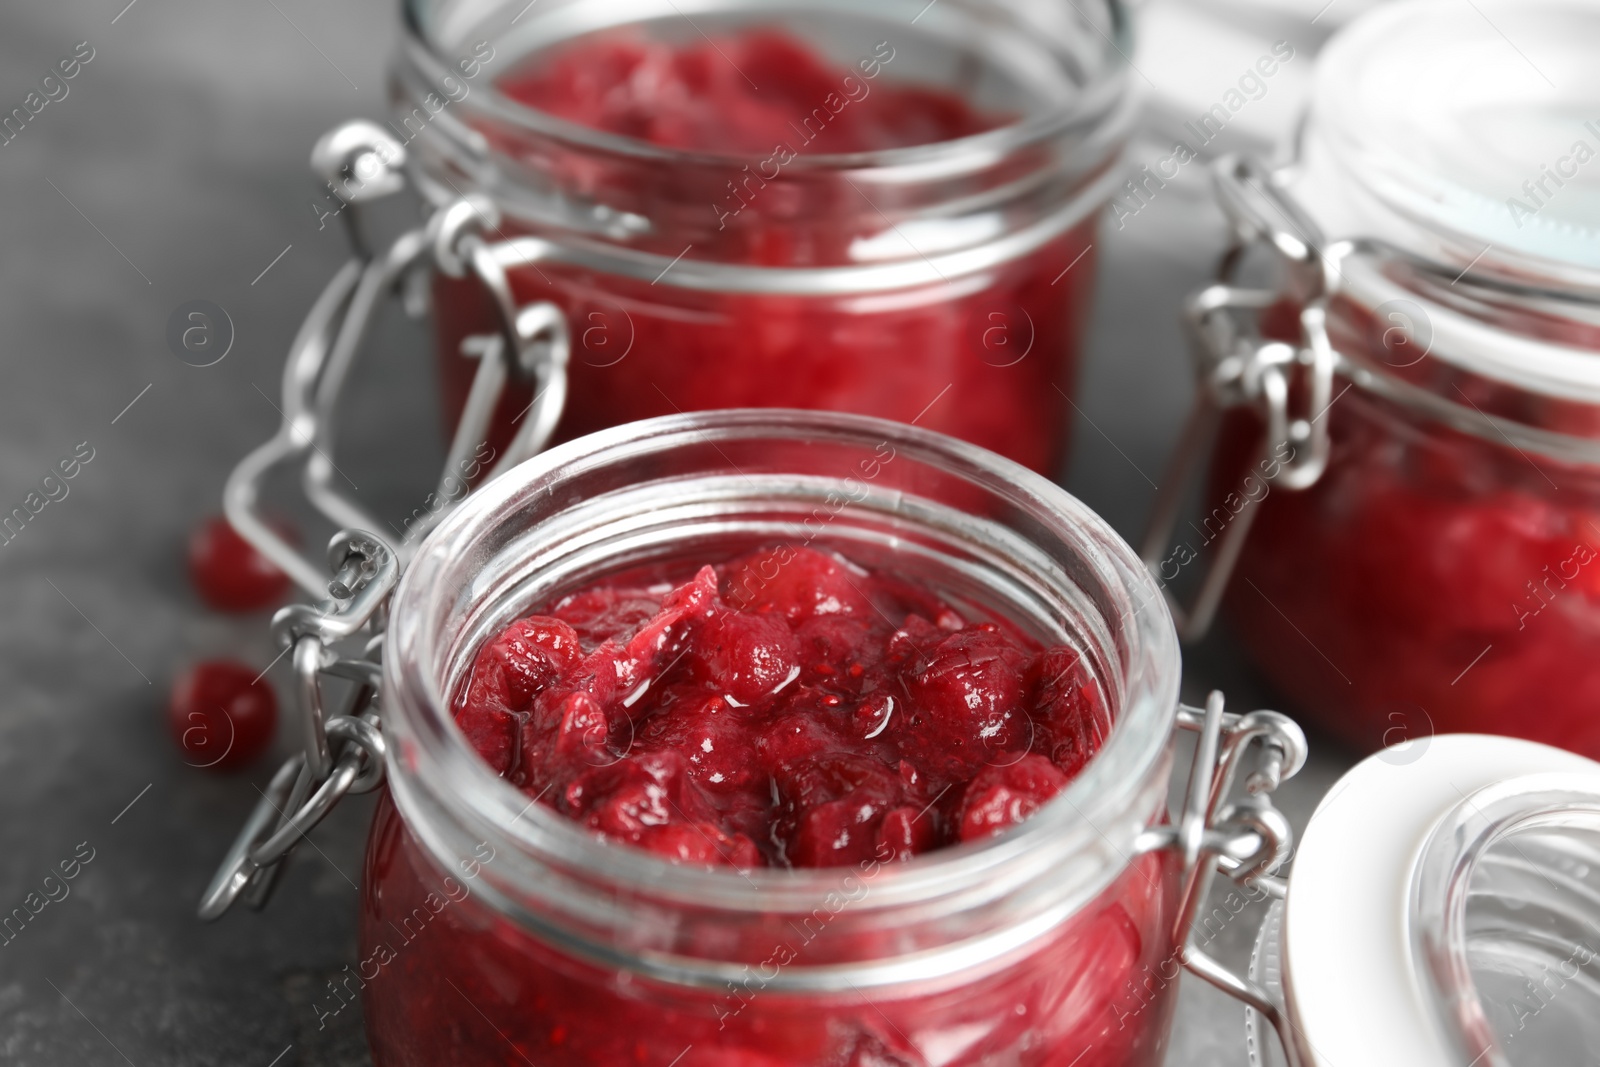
pixel 174 170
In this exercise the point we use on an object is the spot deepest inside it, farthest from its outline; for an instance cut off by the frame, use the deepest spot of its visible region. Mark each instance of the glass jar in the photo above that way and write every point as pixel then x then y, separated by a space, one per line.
pixel 1441 912
pixel 874 281
pixel 495 930
pixel 1408 474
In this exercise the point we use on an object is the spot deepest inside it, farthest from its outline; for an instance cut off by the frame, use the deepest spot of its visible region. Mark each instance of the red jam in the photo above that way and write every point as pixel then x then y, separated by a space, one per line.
pixel 787 708
pixel 1001 344
pixel 221 714
pixel 808 714
pixel 1429 581
pixel 696 96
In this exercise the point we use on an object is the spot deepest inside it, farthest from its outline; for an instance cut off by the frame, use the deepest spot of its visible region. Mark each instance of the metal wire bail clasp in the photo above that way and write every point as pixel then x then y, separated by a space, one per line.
pixel 340 755
pixel 533 343
pixel 361 162
pixel 1289 382
pixel 1246 838
pixel 345 753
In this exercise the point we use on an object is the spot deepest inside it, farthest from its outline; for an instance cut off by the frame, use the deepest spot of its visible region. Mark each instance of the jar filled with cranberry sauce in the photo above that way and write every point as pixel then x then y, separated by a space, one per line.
pixel 769 738
pixel 842 205
pixel 1406 486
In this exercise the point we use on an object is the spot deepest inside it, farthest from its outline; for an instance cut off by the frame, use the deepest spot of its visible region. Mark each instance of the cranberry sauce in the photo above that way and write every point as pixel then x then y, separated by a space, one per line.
pixel 808 713
pixel 1427 583
pixel 695 96
pixel 1001 342
pixel 1430 581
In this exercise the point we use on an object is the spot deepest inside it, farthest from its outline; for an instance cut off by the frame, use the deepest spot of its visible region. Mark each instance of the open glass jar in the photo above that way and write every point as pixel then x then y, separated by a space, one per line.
pixel 821 270
pixel 495 930
pixel 1407 485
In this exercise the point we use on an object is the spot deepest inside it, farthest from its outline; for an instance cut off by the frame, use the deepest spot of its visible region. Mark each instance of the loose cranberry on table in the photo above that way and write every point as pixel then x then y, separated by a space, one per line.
pixel 229 573
pixel 785 709
pixel 220 715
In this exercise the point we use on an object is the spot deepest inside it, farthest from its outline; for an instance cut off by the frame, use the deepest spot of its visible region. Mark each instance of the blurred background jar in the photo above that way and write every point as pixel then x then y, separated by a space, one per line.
pixel 884 208
pixel 1406 485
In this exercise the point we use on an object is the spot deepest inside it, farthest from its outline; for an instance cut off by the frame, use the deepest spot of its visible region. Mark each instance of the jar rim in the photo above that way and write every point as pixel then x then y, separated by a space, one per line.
pixel 434 767
pixel 1476 350
pixel 1107 100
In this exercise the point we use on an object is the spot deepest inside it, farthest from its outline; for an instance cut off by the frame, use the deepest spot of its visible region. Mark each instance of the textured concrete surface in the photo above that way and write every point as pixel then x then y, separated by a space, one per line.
pixel 173 170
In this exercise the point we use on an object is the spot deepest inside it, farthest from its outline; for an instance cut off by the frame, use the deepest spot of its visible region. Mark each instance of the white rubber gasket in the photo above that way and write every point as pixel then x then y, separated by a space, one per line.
pixel 1351 976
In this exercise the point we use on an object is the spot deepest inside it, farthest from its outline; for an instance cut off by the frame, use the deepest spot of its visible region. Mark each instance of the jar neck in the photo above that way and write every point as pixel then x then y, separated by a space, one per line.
pixel 1055 71
pixel 1495 358
pixel 993 534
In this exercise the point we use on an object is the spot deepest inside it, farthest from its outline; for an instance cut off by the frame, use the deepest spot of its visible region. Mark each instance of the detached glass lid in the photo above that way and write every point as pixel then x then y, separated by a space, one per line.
pixel 1444 911
pixel 1464 132
pixel 1530 947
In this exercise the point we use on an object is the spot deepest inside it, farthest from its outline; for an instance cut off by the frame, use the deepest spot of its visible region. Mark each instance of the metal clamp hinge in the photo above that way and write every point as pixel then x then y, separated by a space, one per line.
pixel 340 755
pixel 345 753
pixel 1289 383
pixel 1246 838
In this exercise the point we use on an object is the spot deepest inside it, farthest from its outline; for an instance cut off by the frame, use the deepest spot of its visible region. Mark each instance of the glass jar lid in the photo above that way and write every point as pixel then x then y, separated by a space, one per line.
pixel 1469 135
pixel 1508 902
pixel 1443 910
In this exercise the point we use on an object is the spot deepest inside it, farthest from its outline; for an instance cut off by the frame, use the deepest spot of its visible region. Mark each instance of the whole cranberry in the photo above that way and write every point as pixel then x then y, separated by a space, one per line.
pixel 221 716
pixel 1001 796
pixel 229 573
